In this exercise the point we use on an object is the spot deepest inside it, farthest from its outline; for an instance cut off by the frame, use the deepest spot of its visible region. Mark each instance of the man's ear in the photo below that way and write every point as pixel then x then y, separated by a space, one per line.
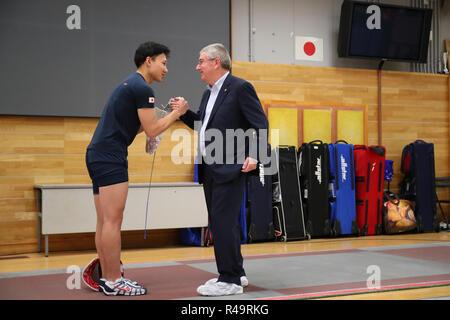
pixel 217 62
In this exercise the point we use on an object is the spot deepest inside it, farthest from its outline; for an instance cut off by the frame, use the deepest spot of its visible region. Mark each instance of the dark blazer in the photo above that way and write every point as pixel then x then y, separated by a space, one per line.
pixel 237 107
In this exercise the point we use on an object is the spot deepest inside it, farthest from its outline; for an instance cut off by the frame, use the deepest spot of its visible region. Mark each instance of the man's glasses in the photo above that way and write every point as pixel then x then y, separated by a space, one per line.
pixel 201 61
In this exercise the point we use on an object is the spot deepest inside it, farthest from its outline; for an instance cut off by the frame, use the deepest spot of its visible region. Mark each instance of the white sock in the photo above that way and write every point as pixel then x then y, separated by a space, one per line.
pixel 111 282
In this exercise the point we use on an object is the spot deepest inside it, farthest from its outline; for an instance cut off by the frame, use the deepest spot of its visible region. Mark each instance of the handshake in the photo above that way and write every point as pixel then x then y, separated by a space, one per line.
pixel 178 105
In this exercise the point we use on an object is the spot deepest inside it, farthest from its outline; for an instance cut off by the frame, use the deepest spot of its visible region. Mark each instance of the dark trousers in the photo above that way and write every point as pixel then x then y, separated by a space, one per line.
pixel 224 204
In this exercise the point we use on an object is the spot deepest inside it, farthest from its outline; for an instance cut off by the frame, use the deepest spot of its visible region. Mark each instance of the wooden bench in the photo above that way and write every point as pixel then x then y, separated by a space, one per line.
pixel 66 208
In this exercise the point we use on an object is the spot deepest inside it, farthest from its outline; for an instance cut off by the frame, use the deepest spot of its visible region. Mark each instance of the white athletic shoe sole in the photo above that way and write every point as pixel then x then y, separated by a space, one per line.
pixel 215 289
pixel 244 281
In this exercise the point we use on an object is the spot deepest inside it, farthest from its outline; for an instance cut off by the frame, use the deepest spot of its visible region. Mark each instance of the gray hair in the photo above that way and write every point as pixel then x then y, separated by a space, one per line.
pixel 218 50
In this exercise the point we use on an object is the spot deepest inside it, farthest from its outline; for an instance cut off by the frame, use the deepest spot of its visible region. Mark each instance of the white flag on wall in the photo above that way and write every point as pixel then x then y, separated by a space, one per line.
pixel 308 48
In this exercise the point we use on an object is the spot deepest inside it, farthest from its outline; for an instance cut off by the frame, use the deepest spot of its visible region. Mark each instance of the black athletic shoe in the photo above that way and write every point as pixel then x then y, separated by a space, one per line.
pixel 122 287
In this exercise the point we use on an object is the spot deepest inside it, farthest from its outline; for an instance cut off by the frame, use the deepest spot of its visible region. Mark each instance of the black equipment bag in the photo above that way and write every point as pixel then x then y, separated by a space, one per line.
pixel 313 171
pixel 287 203
pixel 259 204
pixel 418 183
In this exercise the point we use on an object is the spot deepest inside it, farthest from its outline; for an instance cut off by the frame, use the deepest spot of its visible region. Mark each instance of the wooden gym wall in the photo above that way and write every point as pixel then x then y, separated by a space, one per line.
pixel 51 150
pixel 39 150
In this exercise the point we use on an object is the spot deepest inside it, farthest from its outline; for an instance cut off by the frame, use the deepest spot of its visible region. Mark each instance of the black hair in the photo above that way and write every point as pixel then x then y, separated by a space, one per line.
pixel 149 49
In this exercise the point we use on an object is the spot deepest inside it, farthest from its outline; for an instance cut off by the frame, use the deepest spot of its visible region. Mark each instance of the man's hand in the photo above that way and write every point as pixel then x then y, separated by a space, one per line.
pixel 249 165
pixel 179 105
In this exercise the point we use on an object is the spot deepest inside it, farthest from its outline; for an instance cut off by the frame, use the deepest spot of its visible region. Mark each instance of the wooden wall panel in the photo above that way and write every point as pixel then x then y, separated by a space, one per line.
pixel 286 118
pixel 317 125
pixel 328 125
pixel 350 126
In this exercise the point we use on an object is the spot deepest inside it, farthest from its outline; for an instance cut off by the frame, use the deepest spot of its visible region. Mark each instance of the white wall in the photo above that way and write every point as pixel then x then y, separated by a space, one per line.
pixel 277 22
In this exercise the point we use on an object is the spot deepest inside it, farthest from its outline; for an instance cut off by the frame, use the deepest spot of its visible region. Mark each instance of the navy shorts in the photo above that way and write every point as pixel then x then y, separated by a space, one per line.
pixel 106 169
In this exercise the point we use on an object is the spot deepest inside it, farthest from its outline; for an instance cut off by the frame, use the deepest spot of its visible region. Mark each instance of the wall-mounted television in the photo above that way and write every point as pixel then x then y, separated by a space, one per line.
pixel 384 31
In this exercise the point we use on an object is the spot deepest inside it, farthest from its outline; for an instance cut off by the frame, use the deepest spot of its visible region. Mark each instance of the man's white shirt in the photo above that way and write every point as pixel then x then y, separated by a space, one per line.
pixel 215 89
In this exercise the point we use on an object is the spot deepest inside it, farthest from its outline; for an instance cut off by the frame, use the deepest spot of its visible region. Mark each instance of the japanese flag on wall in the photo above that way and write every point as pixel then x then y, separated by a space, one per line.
pixel 308 48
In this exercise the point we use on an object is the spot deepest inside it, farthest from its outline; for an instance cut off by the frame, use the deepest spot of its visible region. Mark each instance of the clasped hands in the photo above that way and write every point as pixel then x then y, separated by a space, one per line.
pixel 179 105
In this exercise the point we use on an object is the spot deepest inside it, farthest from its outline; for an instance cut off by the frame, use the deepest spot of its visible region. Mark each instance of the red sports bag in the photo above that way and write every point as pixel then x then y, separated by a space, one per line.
pixel 369 177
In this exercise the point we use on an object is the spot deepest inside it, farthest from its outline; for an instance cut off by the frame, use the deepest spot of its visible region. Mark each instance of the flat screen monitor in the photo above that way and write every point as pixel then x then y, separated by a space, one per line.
pixel 381 31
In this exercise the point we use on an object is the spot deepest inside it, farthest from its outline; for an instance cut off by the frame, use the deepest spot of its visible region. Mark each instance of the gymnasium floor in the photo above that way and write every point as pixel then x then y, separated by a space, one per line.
pixel 409 266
